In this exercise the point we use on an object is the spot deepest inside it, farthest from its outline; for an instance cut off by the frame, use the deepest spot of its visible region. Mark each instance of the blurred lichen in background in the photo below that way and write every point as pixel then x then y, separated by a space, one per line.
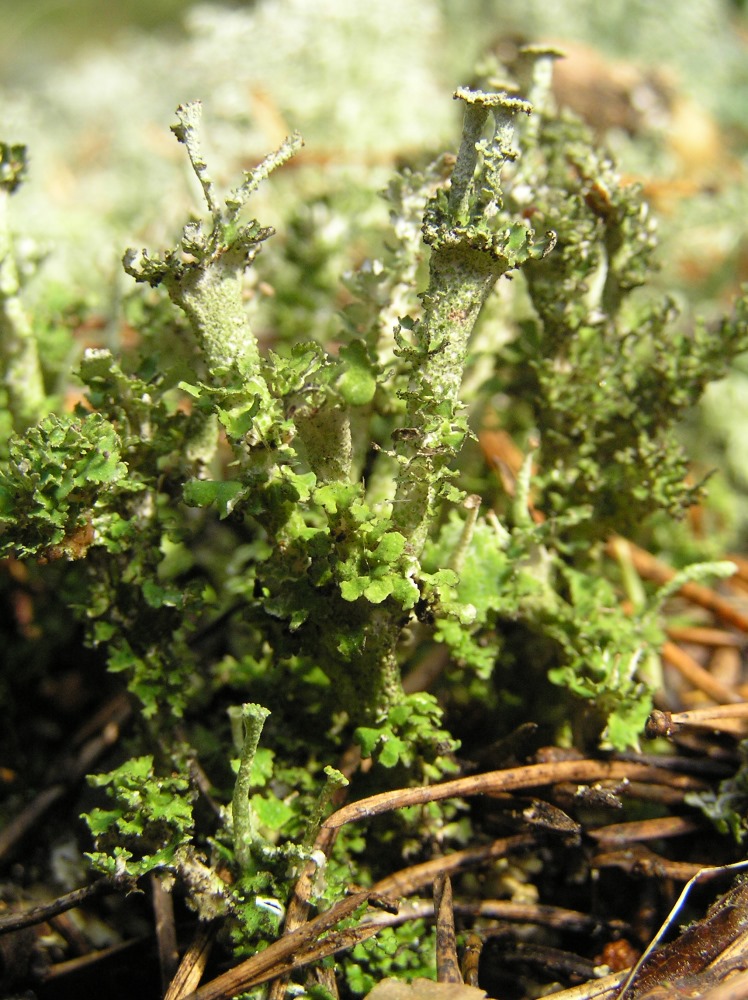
pixel 89 87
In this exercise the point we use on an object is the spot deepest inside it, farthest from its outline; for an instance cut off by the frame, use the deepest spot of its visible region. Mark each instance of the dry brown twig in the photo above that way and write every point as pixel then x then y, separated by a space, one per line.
pixel 698 676
pixel 308 943
pixel 650 568
pixel 301 946
pixel 109 722
pixel 411 879
pixel 507 911
pixel 162 902
pixel 192 966
pixel 38 914
pixel 646 829
pixel 718 718
pixel 447 966
pixel 510 779
pixel 704 945
pixel 703 635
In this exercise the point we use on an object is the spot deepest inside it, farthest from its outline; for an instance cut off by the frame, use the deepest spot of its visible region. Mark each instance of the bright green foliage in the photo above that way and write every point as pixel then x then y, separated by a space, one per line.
pixel 409 953
pixel 289 527
pixel 56 481
pixel 409 737
pixel 150 820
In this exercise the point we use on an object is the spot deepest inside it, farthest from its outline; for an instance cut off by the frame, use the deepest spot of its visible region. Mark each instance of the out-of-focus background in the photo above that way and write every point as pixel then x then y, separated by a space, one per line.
pixel 92 86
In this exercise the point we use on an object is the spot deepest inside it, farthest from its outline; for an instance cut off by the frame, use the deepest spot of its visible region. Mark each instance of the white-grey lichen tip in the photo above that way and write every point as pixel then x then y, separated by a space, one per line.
pixel 498 100
pixel 188 116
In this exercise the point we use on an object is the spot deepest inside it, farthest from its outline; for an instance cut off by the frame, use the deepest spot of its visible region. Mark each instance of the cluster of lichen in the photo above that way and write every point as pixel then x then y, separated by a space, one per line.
pixel 290 528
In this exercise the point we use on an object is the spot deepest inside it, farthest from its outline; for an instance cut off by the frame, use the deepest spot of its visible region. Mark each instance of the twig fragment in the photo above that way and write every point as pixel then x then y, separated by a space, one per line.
pixel 192 966
pixel 471 959
pixel 116 714
pixel 507 911
pixel 699 943
pixel 689 668
pixel 725 718
pixel 641 861
pixel 38 914
pixel 510 779
pixel 411 879
pixel 605 988
pixel 166 932
pixel 646 829
pixel 447 966
pixel 292 951
pixel 701 635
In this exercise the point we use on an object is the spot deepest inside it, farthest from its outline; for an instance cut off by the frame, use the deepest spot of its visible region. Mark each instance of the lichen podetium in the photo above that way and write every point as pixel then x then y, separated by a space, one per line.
pixel 470 250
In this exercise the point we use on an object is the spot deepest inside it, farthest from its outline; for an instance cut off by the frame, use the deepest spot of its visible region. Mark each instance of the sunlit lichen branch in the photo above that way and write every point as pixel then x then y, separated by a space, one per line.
pixel 204 272
pixel 472 245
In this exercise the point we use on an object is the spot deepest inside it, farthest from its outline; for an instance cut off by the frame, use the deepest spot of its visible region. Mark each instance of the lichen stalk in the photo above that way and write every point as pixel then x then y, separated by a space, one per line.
pixel 538 61
pixel 474 121
pixel 204 273
pixel 211 298
pixel 325 433
pixel 19 357
pixel 461 280
pixel 470 251
pixel 252 718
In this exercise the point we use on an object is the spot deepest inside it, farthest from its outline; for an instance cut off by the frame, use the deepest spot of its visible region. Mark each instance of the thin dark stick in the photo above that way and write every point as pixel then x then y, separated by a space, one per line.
pixel 415 877
pixel 646 829
pixel 640 860
pixel 73 965
pixel 508 912
pixel 38 914
pixel 88 754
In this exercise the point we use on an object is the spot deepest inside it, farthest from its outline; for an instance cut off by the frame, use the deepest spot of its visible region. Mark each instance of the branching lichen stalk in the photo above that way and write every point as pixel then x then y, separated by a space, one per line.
pixel 461 280
pixel 204 273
